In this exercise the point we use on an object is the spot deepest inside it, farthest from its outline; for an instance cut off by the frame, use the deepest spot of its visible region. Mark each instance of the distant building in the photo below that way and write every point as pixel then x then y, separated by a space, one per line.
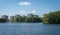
pixel 30 15
pixel 17 16
pixel 5 17
pixel 24 16
pixel 11 18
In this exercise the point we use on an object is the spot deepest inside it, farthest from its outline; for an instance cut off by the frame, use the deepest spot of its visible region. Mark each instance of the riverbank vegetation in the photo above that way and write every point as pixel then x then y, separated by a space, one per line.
pixel 30 18
pixel 3 20
pixel 50 18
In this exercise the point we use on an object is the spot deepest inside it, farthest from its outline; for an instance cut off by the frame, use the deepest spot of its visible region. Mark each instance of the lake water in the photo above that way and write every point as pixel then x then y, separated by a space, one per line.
pixel 29 29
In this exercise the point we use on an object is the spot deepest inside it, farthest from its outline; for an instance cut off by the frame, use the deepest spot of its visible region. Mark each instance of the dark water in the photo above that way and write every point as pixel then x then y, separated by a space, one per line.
pixel 29 29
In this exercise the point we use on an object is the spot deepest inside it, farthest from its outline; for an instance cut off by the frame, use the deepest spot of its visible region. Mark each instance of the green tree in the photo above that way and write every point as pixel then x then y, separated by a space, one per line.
pixel 52 18
pixel 2 20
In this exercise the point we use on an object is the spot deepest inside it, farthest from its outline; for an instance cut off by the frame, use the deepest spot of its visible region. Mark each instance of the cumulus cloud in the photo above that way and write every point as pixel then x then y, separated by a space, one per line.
pixel 23 12
pixel 34 11
pixel 28 12
pixel 24 3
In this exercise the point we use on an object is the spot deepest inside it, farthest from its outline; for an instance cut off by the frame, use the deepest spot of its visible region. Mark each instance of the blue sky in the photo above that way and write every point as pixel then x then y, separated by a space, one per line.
pixel 24 7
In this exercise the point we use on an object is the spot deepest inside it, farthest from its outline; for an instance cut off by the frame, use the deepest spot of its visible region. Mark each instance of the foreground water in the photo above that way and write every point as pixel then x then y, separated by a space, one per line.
pixel 29 29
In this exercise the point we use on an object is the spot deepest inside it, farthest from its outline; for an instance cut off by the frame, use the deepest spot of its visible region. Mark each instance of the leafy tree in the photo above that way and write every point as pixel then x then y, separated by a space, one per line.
pixel 52 18
pixel 30 18
pixel 2 20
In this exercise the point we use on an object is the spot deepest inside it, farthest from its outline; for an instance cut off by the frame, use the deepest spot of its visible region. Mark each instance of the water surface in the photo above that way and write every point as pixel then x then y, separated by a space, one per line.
pixel 29 29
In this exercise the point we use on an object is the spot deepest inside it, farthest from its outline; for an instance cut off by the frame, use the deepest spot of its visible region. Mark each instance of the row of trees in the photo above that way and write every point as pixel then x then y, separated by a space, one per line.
pixel 3 20
pixel 30 18
pixel 26 19
pixel 52 18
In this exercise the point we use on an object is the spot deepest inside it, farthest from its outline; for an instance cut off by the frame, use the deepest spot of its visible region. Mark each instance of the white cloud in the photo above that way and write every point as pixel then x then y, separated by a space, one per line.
pixel 23 12
pixel 24 3
pixel 34 12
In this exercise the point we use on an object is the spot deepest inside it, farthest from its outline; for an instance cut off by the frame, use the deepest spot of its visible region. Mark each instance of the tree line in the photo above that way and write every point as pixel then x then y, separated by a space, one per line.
pixel 50 18
pixel 30 18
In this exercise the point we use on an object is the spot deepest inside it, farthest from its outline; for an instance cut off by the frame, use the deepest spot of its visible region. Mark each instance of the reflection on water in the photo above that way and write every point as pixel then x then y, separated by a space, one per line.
pixel 29 29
